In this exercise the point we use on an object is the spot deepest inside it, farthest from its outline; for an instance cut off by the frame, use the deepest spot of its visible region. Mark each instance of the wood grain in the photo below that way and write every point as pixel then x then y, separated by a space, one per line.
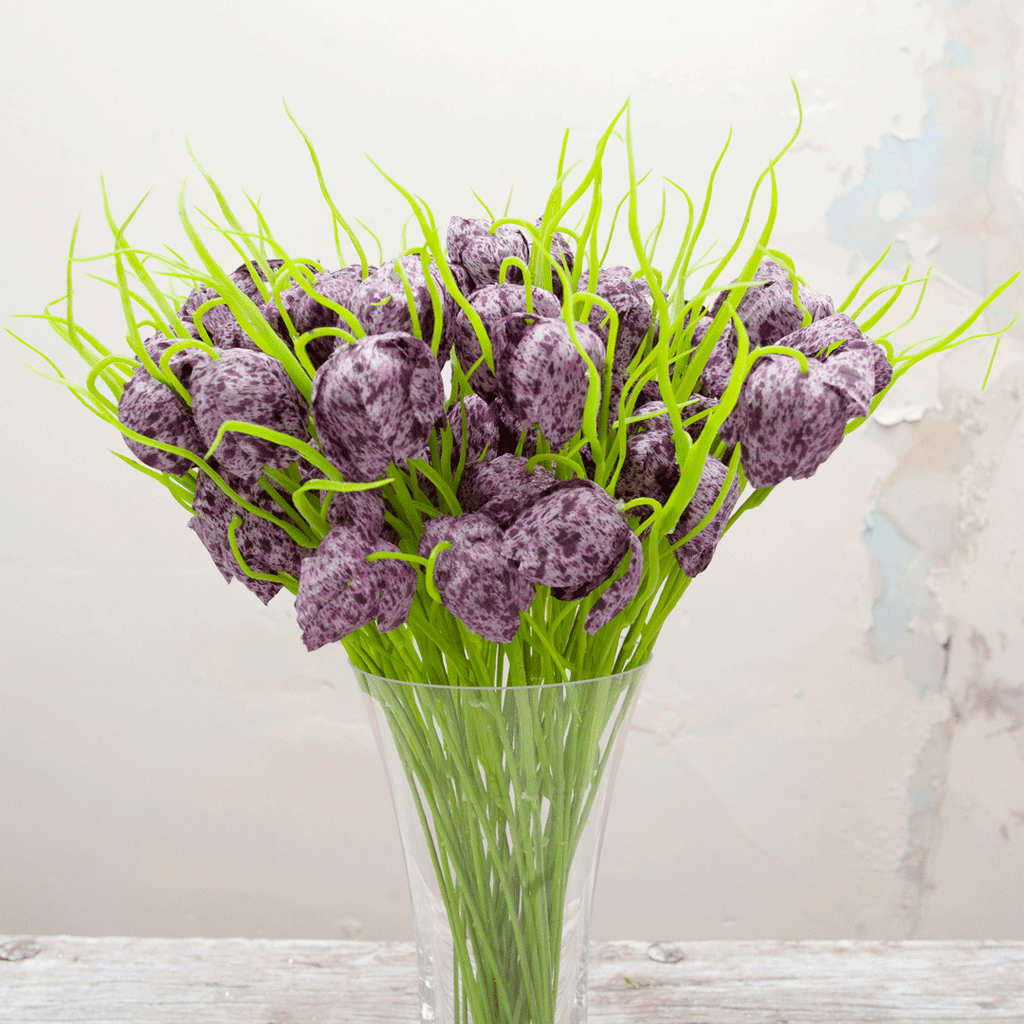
pixel 264 981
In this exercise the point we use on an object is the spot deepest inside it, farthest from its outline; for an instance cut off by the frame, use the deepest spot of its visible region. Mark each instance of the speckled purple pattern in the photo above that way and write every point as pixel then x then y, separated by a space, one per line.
pixel 816 337
pixel 768 313
pixel 364 509
pixel 470 243
pixel 214 535
pixel 339 591
pixel 398 581
pixel 264 546
pixel 493 303
pixel 787 422
pixel 571 539
pixel 695 555
pixel 218 321
pixel 252 387
pixel 631 299
pixel 501 488
pixel 376 401
pixel 382 305
pixel 151 408
pixel 475 582
pixel 246 283
pixel 621 592
pixel 308 314
pixel 650 469
pixel 481 428
pixel 542 378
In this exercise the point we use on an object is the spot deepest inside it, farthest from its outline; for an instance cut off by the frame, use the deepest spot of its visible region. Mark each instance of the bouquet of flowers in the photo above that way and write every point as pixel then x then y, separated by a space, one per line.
pixel 489 462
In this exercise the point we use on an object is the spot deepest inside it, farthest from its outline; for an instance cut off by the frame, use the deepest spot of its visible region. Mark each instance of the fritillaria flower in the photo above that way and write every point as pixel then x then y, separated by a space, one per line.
pixel 381 302
pixel 252 387
pixel 471 244
pixel 789 422
pixel 695 555
pixel 150 407
pixel 767 312
pixel 543 379
pixel 501 487
pixel 493 303
pixel 481 426
pixel 376 401
pixel 631 300
pixel 340 591
pixel 475 582
pixel 572 539
pixel 263 545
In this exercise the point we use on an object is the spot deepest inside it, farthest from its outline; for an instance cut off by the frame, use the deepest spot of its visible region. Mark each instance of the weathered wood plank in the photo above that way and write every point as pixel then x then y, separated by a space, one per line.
pixel 263 981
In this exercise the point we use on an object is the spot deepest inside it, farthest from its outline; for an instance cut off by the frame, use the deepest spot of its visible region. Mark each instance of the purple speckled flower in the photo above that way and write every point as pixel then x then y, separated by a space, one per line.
pixel 695 555
pixel 482 430
pixel 339 591
pixel 307 314
pixel 376 401
pixel 363 509
pixel 542 378
pixel 149 407
pixel 493 303
pixel 471 244
pixel 650 469
pixel 501 488
pixel 768 313
pixel 631 300
pixel 789 422
pixel 572 539
pixel 264 546
pixel 475 582
pixel 252 387
pixel 382 304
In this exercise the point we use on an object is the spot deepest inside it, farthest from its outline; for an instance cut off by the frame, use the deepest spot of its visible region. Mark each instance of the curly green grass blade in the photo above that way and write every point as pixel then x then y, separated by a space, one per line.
pixel 862 281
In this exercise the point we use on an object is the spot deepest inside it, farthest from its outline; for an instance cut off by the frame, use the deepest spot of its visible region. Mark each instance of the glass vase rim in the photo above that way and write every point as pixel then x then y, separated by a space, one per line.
pixel 636 669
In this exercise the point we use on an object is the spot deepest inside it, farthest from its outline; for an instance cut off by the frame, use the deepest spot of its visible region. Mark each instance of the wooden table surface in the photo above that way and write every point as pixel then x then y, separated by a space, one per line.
pixel 273 981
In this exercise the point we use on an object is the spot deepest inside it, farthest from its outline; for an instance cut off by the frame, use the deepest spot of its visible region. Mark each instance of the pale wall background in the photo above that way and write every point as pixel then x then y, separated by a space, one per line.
pixel 830 743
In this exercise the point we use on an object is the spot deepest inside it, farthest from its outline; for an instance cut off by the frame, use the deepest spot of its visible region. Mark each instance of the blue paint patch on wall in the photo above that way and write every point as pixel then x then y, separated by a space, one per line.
pixel 957 55
pixel 904 568
pixel 907 165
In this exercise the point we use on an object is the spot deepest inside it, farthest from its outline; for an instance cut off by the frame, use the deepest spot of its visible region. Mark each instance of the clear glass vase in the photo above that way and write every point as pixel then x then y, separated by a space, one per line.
pixel 501 796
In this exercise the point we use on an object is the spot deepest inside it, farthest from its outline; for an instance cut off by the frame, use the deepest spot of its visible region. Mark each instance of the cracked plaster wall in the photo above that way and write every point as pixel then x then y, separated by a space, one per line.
pixel 830 741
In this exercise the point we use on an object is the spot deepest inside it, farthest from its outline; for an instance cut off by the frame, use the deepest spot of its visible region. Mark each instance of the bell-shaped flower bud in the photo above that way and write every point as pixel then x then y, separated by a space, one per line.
pixel 474 416
pixel 631 300
pixel 263 545
pixel 252 387
pixel 493 303
pixel 150 407
pixel 382 302
pixel 501 487
pixel 650 469
pixel 307 313
pixel 543 379
pixel 475 583
pixel 376 401
pixel 768 312
pixel 695 555
pixel 339 591
pixel 480 252
pixel 572 539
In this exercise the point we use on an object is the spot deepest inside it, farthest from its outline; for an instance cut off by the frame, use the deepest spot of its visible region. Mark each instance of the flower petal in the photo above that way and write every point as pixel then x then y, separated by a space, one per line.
pixel 542 378
pixel 695 555
pixel 501 488
pixel 617 597
pixel 571 538
pixel 398 581
pixel 376 401
pixel 339 591
pixel 150 407
pixel 255 388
